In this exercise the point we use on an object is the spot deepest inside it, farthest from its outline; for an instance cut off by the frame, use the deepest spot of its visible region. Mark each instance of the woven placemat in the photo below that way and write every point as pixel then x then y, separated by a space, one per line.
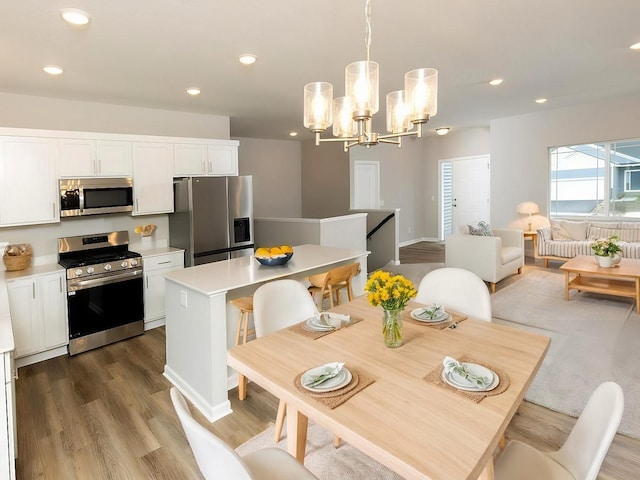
pixel 359 382
pixel 298 328
pixel 435 377
pixel 454 318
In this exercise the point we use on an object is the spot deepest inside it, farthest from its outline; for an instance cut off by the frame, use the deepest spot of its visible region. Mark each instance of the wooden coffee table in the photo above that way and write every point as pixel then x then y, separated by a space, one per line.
pixel 583 273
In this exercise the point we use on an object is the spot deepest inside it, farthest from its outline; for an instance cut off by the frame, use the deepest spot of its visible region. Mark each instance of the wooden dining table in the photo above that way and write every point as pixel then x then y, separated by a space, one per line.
pixel 405 419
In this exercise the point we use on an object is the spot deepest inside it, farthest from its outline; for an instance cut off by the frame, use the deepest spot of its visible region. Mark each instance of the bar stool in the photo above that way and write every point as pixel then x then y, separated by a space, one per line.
pixel 329 284
pixel 245 305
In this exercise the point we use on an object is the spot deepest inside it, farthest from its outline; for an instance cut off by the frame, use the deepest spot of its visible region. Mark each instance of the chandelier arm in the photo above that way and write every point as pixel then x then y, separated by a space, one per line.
pixel 397 135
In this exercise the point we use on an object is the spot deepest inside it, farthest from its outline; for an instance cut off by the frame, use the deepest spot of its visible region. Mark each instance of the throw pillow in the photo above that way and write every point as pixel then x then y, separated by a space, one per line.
pixel 559 234
pixel 483 229
pixel 577 230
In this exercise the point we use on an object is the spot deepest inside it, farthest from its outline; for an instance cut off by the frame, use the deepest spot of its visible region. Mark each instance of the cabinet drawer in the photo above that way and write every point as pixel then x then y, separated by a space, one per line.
pixel 169 260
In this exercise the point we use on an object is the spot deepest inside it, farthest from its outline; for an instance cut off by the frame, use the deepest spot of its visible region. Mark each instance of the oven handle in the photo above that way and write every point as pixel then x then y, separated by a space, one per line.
pixel 75 285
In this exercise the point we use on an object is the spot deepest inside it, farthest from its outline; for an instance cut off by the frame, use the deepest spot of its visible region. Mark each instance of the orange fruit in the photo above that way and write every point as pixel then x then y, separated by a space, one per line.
pixel 276 251
pixel 138 229
pixel 263 252
pixel 286 249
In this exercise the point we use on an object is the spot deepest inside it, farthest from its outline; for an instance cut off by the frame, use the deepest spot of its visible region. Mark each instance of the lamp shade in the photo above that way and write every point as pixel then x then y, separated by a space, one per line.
pixel 421 86
pixel 528 208
pixel 318 100
pixel 361 86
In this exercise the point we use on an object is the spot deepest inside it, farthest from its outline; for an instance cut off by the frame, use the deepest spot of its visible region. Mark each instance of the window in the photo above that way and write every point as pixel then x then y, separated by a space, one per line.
pixel 597 179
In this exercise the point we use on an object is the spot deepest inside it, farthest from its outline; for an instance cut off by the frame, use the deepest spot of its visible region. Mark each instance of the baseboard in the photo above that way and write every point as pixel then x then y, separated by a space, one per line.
pixel 418 240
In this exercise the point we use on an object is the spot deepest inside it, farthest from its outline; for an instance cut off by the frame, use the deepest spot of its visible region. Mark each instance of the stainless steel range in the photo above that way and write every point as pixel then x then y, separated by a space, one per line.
pixel 104 289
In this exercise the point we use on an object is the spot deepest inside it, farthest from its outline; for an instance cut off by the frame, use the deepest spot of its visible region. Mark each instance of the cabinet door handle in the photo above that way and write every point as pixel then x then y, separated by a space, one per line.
pixel 147 279
pixel 60 282
pixel 162 263
pixel 33 290
pixel 53 209
pixel 136 204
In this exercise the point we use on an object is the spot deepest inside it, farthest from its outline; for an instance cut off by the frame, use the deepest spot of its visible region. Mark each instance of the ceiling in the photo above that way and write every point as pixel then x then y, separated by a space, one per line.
pixel 147 52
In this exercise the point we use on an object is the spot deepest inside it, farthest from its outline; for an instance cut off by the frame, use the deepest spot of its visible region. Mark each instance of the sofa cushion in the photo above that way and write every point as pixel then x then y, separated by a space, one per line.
pixel 596 233
pixel 483 229
pixel 509 254
pixel 577 230
pixel 559 234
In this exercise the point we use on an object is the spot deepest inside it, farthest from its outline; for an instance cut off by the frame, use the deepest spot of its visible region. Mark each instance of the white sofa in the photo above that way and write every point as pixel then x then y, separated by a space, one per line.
pixel 491 258
pixel 553 246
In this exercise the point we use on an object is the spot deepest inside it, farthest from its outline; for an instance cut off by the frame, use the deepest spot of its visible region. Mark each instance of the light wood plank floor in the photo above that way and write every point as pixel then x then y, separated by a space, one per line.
pixel 106 414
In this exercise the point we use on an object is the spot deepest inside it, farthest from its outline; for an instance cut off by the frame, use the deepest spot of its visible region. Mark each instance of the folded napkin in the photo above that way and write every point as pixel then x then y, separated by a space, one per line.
pixel 431 311
pixel 336 320
pixel 328 371
pixel 451 365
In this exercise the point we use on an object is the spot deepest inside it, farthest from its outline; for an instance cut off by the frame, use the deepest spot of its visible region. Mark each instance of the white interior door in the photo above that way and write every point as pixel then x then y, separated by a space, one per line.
pixel 469 193
pixel 366 185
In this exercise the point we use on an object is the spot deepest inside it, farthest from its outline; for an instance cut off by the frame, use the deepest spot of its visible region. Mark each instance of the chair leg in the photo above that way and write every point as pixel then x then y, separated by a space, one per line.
pixel 245 325
pixel 519 270
pixel 493 287
pixel 239 328
pixel 282 410
pixel 336 441
pixel 242 387
pixel 502 442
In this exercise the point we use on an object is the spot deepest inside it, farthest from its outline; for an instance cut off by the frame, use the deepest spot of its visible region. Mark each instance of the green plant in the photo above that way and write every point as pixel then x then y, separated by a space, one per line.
pixel 606 247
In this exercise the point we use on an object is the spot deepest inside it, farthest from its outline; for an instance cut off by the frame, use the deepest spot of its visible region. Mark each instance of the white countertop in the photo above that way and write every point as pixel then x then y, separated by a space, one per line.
pixel 218 277
pixel 6 332
pixel 152 252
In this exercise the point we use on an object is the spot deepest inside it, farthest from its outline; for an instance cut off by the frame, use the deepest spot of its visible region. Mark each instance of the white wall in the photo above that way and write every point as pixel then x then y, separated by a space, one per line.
pixel 25 111
pixel 277 176
pixel 519 148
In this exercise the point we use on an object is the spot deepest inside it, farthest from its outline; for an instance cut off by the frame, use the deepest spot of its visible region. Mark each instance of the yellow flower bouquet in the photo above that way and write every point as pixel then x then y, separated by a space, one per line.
pixel 392 292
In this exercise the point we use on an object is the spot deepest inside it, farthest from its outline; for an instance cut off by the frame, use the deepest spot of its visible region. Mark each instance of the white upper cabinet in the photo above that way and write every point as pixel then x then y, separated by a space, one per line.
pixel 152 178
pixel 28 181
pixel 203 159
pixel 88 158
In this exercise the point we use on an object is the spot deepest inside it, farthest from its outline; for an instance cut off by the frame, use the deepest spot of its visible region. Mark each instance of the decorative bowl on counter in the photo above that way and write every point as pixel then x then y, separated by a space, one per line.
pixel 274 261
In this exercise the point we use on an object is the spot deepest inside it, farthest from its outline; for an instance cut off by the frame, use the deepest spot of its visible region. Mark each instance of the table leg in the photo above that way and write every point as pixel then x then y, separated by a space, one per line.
pixel 296 433
pixel 566 285
pixel 637 295
pixel 488 472
pixel 242 387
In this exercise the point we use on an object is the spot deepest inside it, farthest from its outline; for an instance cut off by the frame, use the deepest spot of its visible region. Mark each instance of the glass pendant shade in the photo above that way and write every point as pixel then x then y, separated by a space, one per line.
pixel 421 87
pixel 318 99
pixel 397 112
pixel 361 86
pixel 343 124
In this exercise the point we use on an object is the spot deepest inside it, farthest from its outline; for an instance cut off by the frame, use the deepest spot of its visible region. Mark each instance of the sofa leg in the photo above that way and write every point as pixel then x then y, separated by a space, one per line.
pixel 546 263
pixel 519 270
pixel 493 287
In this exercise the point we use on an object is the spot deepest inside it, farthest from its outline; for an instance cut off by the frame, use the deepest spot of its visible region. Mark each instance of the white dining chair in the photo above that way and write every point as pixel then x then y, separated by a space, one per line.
pixel 277 305
pixel 581 455
pixel 216 460
pixel 457 290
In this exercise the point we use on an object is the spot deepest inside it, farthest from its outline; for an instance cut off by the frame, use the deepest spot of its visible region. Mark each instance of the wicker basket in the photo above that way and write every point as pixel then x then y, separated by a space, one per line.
pixel 19 261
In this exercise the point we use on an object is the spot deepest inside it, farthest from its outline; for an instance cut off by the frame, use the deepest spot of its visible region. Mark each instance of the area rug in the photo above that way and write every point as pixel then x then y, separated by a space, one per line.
pixel 325 461
pixel 594 338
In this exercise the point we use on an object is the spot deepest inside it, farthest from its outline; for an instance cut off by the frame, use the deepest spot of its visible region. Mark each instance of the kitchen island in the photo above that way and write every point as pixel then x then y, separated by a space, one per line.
pixel 200 321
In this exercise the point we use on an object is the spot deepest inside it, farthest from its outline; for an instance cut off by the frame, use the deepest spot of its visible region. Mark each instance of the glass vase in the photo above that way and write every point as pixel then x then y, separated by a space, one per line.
pixel 392 328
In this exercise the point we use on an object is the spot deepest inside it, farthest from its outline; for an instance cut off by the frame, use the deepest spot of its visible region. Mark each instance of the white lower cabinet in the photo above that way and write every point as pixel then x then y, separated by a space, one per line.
pixel 38 313
pixel 155 266
pixel 7 418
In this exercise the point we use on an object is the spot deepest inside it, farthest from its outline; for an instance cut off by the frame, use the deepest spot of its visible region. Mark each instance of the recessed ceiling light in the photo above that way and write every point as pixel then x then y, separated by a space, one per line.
pixel 53 69
pixel 293 134
pixel 247 59
pixel 496 81
pixel 193 91
pixel 442 130
pixel 635 46
pixel 75 16
pixel 541 100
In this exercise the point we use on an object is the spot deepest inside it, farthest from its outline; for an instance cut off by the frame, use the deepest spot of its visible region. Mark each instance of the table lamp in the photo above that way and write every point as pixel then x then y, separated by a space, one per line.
pixel 528 208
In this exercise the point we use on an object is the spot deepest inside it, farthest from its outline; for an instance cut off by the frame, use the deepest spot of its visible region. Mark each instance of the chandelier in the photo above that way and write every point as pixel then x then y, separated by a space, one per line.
pixel 351 115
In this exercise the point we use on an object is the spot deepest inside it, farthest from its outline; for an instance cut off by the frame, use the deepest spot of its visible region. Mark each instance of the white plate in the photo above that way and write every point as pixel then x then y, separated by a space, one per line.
pixel 462 383
pixel 341 380
pixel 316 325
pixel 416 315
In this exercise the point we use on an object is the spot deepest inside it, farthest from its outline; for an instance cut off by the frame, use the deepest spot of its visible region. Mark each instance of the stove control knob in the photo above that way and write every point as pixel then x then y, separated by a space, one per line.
pixel 124 264
pixel 90 270
pixel 134 262
pixel 78 272
pixel 107 267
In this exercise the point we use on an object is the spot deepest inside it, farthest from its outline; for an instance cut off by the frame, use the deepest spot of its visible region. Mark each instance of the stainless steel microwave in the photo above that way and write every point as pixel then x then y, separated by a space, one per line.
pixel 94 196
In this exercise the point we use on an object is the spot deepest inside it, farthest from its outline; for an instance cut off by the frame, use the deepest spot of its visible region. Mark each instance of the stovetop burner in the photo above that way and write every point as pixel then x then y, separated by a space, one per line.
pixel 90 259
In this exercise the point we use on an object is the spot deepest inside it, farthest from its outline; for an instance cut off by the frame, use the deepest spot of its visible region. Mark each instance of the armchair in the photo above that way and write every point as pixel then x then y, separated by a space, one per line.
pixel 491 258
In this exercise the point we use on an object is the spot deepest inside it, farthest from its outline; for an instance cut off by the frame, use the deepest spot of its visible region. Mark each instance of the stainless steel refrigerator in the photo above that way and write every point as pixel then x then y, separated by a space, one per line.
pixel 212 219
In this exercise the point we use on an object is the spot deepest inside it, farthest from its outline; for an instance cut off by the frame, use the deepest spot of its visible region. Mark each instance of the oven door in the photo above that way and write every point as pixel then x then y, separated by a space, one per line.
pixel 100 304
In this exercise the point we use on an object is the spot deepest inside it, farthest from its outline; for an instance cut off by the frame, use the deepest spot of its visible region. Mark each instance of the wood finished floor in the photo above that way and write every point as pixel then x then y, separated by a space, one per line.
pixel 106 414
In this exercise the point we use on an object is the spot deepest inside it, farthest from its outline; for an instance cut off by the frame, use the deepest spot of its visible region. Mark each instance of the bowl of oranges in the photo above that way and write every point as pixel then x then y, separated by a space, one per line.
pixel 273 256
